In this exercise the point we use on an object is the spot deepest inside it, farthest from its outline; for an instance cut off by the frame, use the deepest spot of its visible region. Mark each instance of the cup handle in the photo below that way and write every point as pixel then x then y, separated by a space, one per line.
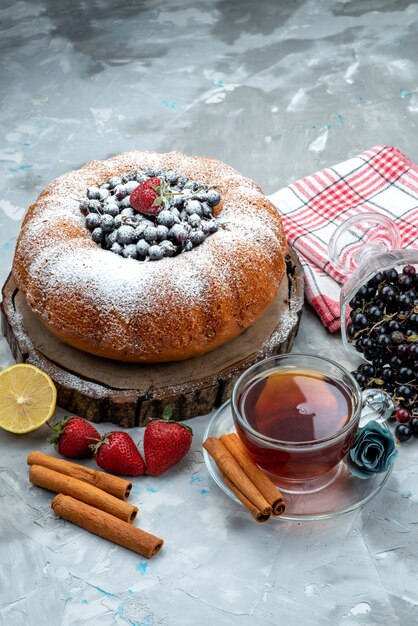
pixel 376 405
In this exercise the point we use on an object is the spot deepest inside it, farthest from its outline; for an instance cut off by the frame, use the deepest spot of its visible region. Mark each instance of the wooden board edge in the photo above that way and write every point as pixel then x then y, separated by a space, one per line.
pixel 129 408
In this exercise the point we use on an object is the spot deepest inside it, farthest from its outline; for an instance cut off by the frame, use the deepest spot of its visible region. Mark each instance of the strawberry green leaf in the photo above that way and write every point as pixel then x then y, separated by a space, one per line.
pixel 167 413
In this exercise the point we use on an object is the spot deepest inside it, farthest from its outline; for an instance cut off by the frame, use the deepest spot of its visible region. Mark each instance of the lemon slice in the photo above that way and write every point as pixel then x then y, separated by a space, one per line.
pixel 27 398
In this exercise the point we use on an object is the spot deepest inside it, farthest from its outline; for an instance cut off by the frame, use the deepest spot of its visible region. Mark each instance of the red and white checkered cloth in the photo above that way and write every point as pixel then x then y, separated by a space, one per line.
pixel 380 180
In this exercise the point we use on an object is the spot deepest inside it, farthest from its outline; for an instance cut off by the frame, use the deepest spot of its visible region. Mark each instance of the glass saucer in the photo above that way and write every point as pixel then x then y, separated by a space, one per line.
pixel 345 494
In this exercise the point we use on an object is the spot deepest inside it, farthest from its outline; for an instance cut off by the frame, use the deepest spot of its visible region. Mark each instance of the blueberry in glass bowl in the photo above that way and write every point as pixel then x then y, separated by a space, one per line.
pixel 379 311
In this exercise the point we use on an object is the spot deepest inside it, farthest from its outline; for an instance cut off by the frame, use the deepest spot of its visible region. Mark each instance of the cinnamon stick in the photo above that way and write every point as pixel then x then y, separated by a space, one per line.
pixel 254 501
pixel 107 526
pixel 255 512
pixel 265 486
pixel 118 487
pixel 60 483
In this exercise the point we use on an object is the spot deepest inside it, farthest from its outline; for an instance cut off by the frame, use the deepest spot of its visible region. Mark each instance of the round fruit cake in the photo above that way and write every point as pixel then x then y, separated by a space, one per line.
pixel 150 257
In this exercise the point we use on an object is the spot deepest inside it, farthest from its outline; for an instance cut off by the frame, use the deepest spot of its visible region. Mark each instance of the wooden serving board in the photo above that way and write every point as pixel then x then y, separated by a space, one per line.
pixel 103 390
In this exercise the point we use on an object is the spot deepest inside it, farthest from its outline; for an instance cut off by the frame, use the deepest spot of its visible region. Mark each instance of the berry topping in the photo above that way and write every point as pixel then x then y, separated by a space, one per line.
pixel 155 253
pixel 161 232
pixel 97 235
pixel 129 251
pixel 107 223
pixel 193 207
pixel 110 238
pixel 197 236
pixel 130 186
pixel 126 235
pixel 95 206
pixel 166 218
pixel 213 198
pixel 111 209
pixel 142 248
pixel 178 232
pixel 150 234
pixel 93 193
pixel 148 198
pixel 92 221
pixel 116 248
pixel 168 248
pixel 147 215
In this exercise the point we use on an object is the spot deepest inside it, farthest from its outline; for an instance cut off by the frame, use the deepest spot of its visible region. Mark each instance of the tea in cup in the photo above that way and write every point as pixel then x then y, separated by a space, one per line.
pixel 297 415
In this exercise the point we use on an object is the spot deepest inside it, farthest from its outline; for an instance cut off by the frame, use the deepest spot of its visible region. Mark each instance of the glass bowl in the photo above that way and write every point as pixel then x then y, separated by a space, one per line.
pixel 360 248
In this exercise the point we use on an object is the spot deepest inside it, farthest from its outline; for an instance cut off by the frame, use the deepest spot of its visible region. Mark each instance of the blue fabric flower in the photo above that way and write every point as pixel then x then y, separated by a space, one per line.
pixel 373 450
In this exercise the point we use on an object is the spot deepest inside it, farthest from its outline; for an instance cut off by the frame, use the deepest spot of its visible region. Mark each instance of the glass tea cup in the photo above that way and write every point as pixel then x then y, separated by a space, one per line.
pixel 298 414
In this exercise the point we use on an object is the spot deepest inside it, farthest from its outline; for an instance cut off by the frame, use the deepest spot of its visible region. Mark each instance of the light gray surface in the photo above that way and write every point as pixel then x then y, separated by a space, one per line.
pixel 278 90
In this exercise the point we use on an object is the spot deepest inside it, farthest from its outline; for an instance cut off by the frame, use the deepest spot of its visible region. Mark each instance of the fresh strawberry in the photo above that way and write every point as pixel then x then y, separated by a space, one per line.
pixel 151 196
pixel 165 443
pixel 117 453
pixel 73 437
